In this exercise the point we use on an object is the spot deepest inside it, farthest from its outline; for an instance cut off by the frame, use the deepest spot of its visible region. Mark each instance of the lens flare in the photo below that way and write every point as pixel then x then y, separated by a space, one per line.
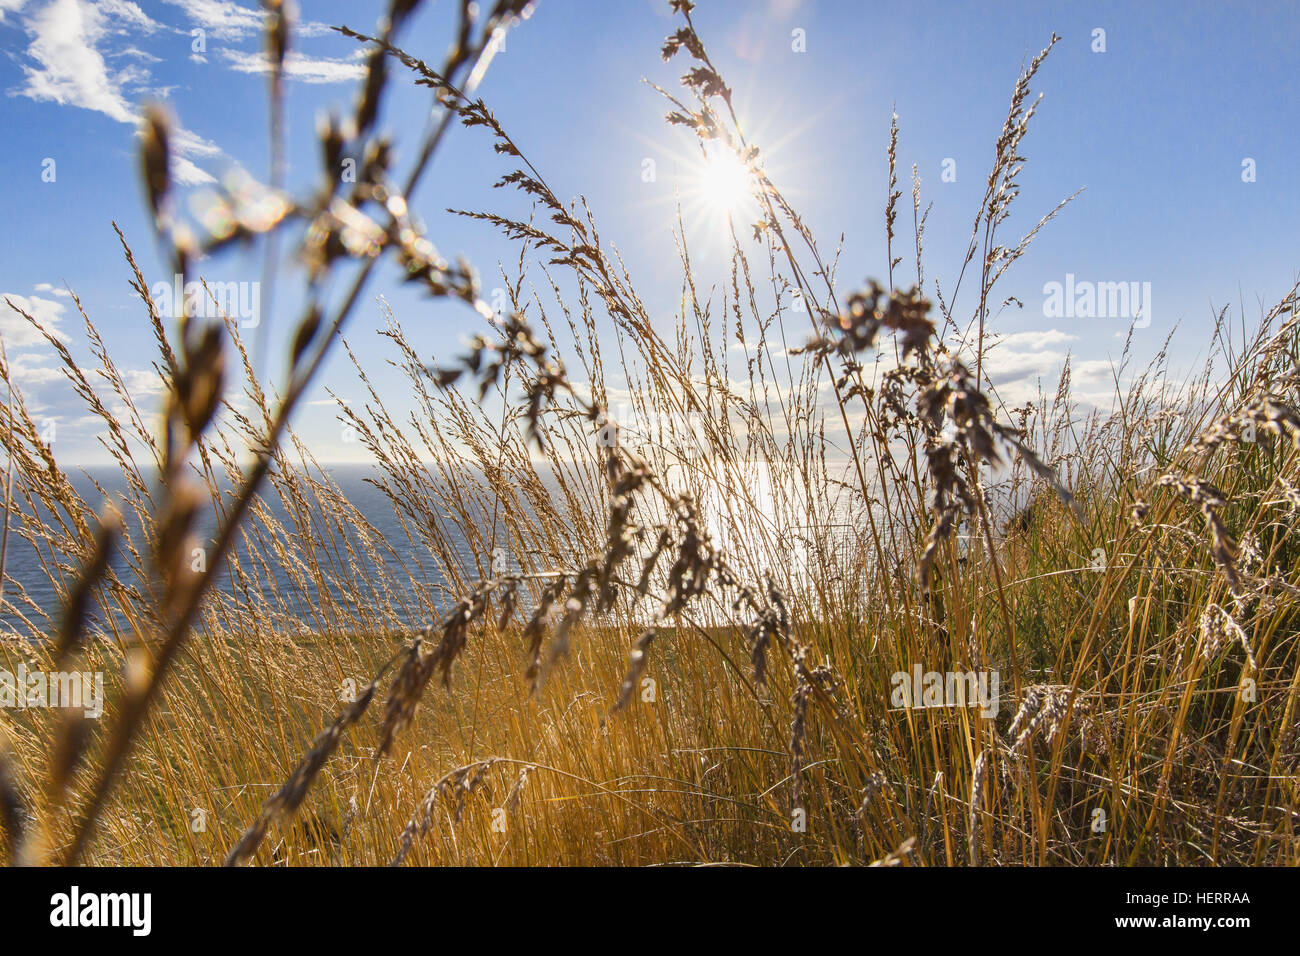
pixel 726 184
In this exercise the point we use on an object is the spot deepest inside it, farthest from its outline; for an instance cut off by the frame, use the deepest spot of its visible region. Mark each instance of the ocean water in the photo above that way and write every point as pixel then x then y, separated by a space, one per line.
pixel 769 524
pixel 24 570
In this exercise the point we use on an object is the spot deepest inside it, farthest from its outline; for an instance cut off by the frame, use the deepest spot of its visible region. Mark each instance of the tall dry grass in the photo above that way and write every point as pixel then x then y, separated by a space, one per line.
pixel 686 654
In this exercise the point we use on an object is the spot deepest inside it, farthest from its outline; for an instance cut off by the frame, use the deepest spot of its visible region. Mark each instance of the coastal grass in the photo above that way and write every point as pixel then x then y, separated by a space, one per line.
pixel 668 613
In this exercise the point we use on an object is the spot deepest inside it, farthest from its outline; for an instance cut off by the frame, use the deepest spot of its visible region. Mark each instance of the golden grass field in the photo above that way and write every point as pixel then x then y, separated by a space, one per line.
pixel 1130 574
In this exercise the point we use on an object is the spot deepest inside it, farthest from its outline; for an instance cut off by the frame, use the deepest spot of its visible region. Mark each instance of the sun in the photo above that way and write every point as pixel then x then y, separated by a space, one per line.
pixel 719 190
pixel 725 185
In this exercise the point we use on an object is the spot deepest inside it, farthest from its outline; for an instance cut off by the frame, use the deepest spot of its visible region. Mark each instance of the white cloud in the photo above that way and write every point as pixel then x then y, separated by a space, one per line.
pixel 128 15
pixel 10 6
pixel 227 20
pixel 17 332
pixel 1034 340
pixel 187 174
pixel 52 290
pixel 1017 363
pixel 31 374
pixel 142 383
pixel 1002 368
pixel 71 71
pixel 311 29
pixel 185 141
pixel 299 67
pixel 222 18
pixel 139 54
pixel 68 67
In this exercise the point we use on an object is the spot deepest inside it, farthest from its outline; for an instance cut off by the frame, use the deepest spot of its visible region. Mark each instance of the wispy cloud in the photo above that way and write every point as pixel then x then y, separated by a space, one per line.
pixel 127 16
pixel 66 65
pixel 52 290
pixel 1017 364
pixel 296 66
pixel 10 6
pixel 222 18
pixel 139 54
pixel 67 68
pixel 227 20
pixel 17 332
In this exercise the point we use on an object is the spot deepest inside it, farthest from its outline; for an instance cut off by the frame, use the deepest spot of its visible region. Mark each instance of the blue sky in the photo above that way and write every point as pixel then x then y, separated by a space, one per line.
pixel 1155 129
